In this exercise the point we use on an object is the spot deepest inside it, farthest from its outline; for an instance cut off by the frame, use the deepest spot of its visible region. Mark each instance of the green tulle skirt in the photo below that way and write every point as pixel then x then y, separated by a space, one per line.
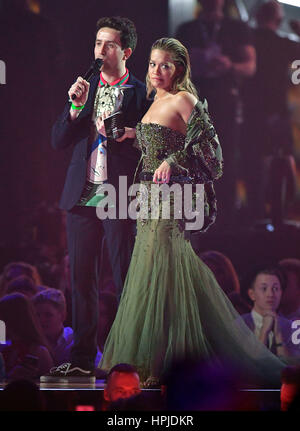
pixel 172 308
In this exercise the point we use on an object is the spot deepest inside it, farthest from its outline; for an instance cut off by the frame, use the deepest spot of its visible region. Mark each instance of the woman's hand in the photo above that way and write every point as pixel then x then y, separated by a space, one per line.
pixel 129 134
pixel 162 174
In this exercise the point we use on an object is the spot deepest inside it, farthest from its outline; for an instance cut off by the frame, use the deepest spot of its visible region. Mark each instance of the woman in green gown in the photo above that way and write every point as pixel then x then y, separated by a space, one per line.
pixel 172 307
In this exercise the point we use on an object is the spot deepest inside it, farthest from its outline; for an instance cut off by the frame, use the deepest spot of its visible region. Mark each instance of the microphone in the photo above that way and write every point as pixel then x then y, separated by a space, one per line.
pixel 93 70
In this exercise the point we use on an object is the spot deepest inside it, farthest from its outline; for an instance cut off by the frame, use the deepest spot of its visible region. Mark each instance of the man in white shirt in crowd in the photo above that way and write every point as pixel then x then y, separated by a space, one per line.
pixel 270 328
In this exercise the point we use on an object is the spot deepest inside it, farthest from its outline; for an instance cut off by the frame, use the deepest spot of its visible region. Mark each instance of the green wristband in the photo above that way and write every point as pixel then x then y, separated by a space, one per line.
pixel 78 108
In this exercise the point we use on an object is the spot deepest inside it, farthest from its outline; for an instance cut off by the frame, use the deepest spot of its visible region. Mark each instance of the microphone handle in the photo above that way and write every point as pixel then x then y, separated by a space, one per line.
pixel 86 77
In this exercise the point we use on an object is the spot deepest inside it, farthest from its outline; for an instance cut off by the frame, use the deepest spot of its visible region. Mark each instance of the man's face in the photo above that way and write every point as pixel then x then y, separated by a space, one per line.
pixel 108 48
pixel 266 293
pixel 122 386
pixel 51 319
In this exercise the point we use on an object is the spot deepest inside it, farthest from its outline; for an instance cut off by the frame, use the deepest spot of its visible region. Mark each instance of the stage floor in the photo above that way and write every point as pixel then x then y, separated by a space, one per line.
pixel 74 396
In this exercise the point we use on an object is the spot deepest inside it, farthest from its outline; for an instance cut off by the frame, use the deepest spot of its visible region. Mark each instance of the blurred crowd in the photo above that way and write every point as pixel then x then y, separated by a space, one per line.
pixel 36 306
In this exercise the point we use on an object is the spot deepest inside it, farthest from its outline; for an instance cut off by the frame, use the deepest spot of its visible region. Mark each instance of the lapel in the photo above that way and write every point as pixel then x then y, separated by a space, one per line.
pixel 129 93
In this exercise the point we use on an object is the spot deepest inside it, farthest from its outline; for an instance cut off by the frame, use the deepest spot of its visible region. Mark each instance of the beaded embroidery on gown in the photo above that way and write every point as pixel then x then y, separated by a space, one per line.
pixel 171 306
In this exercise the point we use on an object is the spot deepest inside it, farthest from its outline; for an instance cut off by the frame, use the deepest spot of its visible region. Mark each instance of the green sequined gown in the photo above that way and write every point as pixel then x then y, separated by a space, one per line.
pixel 171 305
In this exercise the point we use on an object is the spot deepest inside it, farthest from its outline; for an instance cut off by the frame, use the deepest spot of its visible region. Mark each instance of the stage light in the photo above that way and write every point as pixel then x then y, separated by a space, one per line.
pixel 270 228
pixel 84 408
pixel 295 3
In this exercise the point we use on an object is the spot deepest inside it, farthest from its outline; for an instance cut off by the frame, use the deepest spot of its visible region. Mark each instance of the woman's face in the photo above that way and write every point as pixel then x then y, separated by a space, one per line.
pixel 161 70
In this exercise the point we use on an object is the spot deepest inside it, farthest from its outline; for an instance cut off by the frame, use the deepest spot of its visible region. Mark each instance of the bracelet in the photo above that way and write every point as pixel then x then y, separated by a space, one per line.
pixel 77 108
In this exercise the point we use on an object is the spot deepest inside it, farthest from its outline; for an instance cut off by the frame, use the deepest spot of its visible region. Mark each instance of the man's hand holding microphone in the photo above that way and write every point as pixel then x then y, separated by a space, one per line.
pixel 80 89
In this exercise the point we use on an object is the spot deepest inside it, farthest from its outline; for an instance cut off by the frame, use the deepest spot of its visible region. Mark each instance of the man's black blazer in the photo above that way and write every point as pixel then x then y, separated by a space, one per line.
pixel 122 157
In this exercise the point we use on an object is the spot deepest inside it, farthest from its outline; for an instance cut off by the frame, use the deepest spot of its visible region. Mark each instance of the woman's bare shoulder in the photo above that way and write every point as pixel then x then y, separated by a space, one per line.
pixel 185 103
pixel 186 97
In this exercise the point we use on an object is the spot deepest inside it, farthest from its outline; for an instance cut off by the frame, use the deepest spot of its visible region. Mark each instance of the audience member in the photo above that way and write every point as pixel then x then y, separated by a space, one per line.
pixel 122 382
pixel 22 284
pixel 26 354
pixel 108 305
pixel 223 270
pixel 226 276
pixel 50 306
pixel 48 258
pixel 273 330
pixel 13 270
pixel 290 301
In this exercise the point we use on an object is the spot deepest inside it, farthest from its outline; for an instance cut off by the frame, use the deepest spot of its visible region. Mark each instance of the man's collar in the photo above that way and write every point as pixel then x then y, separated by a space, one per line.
pixel 258 318
pixel 121 81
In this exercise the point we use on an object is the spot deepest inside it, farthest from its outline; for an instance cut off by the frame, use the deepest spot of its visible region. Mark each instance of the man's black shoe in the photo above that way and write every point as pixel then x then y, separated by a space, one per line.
pixel 68 373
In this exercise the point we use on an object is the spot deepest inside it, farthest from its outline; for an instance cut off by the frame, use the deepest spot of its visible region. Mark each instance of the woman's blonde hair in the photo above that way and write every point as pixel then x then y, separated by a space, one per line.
pixel 180 55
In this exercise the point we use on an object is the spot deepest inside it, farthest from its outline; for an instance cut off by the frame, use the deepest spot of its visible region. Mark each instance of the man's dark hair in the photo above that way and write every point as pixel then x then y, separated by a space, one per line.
pixel 268 268
pixel 276 271
pixel 268 12
pixel 122 368
pixel 124 25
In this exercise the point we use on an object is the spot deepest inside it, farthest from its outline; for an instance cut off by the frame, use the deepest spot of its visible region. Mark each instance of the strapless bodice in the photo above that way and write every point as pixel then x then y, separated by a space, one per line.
pixel 157 143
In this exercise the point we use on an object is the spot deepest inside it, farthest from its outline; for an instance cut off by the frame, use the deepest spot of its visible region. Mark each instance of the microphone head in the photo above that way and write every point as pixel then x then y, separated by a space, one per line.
pixel 97 64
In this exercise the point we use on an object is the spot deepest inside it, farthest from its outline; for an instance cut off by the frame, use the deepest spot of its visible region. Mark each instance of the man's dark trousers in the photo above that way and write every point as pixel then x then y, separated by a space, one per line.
pixel 85 233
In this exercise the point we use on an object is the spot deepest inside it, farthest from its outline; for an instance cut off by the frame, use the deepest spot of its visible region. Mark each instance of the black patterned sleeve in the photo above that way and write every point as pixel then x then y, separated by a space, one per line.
pixel 202 156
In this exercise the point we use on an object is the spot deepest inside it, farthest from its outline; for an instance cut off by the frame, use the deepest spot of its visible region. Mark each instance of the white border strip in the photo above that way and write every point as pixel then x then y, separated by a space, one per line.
pixel 295 3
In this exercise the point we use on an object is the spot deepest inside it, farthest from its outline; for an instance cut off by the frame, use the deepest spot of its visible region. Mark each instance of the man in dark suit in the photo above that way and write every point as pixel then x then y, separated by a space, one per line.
pixel 97 160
